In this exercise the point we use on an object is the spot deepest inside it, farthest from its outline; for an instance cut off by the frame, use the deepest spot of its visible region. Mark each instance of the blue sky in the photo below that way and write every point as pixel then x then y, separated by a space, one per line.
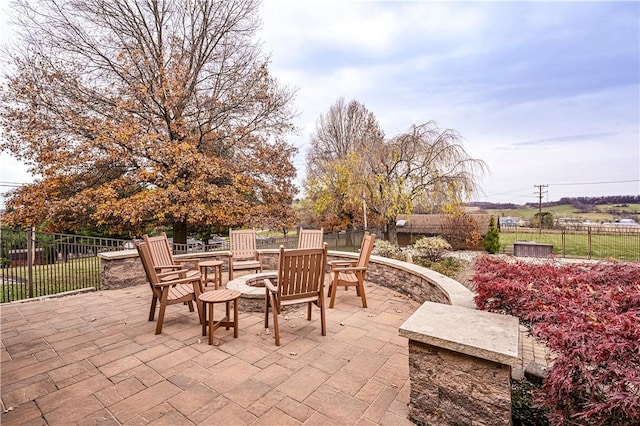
pixel 546 93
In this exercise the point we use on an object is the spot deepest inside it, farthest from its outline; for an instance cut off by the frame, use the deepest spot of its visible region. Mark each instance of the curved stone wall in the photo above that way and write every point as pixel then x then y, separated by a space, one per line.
pixel 123 269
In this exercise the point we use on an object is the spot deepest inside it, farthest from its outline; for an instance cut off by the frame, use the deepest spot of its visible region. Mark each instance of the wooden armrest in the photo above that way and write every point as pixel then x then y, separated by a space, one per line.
pixel 349 269
pixel 177 281
pixel 341 264
pixel 269 285
pixel 168 273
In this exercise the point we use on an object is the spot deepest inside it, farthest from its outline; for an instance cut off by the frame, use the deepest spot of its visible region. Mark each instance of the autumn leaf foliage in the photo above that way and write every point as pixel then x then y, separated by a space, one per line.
pixel 587 314
pixel 139 114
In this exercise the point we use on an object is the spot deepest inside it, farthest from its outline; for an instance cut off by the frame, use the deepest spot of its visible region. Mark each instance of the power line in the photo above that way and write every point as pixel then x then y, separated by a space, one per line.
pixel 11 184
pixel 540 192
pixel 594 183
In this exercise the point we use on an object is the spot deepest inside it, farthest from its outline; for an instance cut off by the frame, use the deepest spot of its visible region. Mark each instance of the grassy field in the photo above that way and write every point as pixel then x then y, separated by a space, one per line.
pixel 602 212
pixel 621 247
pixel 50 279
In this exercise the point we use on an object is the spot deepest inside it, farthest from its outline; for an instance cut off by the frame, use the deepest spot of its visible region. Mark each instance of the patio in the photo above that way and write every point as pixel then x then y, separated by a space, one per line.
pixel 93 358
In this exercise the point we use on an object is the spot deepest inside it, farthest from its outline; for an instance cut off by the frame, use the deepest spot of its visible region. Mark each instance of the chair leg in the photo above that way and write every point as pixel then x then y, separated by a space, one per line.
pixel 190 303
pixel 266 309
pixel 276 329
pixel 199 306
pixel 323 321
pixel 152 311
pixel 227 310
pixel 361 291
pixel 334 287
pixel 163 306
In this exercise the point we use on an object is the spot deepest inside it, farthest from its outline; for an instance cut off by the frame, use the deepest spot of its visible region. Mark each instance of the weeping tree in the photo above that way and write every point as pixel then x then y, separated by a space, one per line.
pixel 139 114
pixel 424 169
pixel 424 166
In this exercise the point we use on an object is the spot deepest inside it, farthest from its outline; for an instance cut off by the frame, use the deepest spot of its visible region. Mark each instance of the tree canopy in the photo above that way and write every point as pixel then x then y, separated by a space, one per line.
pixel 136 114
pixel 424 168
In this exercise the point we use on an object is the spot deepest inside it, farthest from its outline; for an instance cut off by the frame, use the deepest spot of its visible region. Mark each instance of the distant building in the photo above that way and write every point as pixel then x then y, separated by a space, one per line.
pixel 508 221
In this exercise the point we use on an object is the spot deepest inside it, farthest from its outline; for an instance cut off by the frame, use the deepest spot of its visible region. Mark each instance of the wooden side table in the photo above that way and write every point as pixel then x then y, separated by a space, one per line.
pixel 225 296
pixel 217 272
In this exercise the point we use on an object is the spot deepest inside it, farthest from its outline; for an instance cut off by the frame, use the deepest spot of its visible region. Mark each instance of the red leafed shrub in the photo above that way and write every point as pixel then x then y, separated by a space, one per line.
pixel 589 315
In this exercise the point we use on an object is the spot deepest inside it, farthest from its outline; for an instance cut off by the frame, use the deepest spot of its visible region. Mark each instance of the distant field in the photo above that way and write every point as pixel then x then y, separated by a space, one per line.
pixel 602 213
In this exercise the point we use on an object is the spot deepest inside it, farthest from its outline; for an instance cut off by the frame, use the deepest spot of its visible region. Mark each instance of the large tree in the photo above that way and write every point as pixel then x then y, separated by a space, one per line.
pixel 422 169
pixel 143 113
pixel 425 166
pixel 340 138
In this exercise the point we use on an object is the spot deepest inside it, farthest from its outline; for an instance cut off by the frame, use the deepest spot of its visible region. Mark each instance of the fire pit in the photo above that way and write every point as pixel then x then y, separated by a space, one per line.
pixel 251 288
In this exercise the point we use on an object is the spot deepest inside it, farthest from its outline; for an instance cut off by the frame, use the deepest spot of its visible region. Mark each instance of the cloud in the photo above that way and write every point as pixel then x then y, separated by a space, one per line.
pixel 543 92
pixel 565 139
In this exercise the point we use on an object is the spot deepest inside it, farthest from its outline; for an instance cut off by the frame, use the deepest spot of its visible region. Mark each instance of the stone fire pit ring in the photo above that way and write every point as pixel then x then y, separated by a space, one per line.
pixel 251 288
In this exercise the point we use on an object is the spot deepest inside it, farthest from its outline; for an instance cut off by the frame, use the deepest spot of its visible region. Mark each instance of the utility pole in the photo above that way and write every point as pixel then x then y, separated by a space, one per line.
pixel 364 209
pixel 540 193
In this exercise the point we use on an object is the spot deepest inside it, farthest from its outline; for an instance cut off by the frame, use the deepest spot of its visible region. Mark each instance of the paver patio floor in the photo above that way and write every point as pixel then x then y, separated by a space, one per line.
pixel 93 358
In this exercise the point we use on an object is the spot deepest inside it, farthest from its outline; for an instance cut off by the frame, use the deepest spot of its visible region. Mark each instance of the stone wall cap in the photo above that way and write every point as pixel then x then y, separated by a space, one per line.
pixel 481 334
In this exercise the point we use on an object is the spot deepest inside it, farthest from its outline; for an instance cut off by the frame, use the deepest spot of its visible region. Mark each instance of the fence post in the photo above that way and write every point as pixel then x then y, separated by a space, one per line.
pixel 31 251
pixel 589 241
pixel 564 241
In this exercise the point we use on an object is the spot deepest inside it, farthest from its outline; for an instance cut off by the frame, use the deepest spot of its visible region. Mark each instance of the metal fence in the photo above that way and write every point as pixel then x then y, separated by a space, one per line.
pixel 590 242
pixel 36 264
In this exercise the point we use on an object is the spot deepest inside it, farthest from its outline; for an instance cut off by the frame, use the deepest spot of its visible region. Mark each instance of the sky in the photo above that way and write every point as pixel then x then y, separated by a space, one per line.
pixel 545 93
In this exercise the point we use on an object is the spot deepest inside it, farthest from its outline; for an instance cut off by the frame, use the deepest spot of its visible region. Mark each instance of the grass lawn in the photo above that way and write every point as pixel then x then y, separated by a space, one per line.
pixel 621 247
pixel 601 213
pixel 51 279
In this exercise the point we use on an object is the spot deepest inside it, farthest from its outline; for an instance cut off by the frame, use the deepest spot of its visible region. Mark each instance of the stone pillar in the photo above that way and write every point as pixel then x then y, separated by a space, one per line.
pixel 451 388
pixel 460 365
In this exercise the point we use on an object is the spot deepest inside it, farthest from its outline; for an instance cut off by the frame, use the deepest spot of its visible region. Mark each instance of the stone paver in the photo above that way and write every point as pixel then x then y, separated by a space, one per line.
pixel 94 358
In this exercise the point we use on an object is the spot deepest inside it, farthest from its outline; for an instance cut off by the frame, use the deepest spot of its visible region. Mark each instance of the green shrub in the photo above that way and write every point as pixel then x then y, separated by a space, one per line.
pixel 430 248
pixel 491 241
pixel 449 266
pixel 523 409
pixel 386 249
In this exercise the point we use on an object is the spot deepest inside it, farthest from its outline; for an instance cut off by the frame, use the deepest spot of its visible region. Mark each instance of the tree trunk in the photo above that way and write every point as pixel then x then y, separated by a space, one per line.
pixel 391 232
pixel 180 232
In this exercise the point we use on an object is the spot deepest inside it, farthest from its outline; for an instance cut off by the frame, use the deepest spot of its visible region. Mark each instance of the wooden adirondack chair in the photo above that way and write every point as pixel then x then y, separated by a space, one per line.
pixel 243 252
pixel 310 238
pixel 163 259
pixel 350 273
pixel 169 287
pixel 300 280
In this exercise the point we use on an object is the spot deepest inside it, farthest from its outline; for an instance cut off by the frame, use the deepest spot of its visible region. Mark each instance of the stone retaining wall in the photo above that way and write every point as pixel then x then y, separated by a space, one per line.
pixel 123 269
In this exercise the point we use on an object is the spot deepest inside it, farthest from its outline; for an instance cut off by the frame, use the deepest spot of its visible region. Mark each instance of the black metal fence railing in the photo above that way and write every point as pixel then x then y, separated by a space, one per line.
pixel 591 242
pixel 36 264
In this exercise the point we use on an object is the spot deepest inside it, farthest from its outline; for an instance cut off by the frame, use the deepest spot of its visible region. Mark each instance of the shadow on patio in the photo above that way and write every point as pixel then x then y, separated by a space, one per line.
pixel 94 359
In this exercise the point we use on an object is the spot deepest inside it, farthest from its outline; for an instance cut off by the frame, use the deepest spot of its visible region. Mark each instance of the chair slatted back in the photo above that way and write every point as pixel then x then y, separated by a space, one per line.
pixel 365 249
pixel 242 243
pixel 310 238
pixel 159 249
pixel 147 262
pixel 301 272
